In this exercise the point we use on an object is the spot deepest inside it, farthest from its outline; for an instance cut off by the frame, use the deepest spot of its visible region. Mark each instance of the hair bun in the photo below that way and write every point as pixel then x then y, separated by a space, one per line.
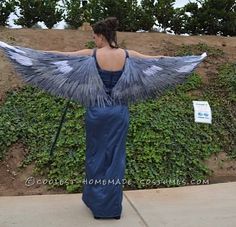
pixel 112 23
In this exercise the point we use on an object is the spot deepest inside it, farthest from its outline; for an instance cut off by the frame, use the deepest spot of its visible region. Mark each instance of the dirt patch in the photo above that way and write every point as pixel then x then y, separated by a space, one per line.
pixel 223 169
pixel 15 180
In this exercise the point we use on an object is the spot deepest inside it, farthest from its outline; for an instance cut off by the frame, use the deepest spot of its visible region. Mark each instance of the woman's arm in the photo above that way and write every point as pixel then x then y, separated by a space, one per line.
pixel 134 53
pixel 74 53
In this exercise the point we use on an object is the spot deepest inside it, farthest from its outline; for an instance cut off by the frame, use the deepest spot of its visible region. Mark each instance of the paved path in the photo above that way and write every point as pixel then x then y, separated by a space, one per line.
pixel 191 206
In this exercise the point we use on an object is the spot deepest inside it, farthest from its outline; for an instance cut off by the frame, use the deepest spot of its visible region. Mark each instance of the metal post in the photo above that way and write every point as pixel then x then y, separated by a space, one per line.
pixel 59 129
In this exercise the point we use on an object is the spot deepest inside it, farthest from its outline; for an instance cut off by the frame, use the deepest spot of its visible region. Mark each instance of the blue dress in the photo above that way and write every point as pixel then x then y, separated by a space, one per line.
pixel 106 132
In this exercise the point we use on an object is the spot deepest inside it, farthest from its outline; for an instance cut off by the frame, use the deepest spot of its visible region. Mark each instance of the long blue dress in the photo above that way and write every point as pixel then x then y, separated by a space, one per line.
pixel 106 132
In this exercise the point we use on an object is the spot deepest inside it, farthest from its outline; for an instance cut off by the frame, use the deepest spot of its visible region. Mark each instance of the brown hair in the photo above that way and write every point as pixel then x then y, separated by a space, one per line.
pixel 107 27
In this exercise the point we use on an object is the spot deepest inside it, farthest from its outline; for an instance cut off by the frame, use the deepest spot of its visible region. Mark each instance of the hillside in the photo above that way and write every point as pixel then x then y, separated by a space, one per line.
pixel 223 50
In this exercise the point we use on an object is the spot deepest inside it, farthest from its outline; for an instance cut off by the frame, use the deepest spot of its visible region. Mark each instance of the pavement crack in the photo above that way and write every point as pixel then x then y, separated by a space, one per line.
pixel 138 213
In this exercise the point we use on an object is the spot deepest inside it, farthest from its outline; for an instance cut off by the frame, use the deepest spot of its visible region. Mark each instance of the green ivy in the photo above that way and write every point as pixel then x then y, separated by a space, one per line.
pixel 198 49
pixel 90 44
pixel 227 81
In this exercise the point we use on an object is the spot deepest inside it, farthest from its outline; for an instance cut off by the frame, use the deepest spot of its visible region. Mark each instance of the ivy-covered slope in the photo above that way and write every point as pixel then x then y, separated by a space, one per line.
pixel 165 147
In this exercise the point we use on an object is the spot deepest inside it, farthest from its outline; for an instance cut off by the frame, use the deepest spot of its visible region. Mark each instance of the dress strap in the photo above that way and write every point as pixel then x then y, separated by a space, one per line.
pixel 94 55
pixel 94 52
pixel 127 53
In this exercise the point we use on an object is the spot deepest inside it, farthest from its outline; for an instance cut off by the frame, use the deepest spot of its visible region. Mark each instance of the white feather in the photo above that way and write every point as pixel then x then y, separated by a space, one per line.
pixel 63 66
pixel 21 59
pixel 5 45
pixel 151 70
pixel 186 68
pixel 203 55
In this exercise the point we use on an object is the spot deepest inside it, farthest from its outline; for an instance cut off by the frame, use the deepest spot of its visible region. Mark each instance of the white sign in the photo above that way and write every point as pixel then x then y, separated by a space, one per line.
pixel 202 112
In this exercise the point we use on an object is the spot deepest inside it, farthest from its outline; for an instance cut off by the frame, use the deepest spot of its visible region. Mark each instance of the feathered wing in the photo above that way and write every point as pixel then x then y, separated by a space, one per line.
pixel 150 77
pixel 73 77
pixel 77 78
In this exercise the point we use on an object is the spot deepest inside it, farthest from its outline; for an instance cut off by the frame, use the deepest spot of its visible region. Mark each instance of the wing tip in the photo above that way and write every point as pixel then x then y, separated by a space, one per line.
pixel 204 55
pixel 3 44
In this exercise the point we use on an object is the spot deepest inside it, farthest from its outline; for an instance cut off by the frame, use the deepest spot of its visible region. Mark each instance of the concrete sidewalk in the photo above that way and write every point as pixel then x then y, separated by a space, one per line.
pixel 190 206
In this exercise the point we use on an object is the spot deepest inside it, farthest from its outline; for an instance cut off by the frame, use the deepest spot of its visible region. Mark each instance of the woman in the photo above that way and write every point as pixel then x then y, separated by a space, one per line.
pixel 96 77
pixel 106 128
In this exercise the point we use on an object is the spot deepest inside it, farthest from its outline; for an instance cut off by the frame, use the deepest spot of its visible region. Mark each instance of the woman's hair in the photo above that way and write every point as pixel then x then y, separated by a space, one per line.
pixel 107 27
